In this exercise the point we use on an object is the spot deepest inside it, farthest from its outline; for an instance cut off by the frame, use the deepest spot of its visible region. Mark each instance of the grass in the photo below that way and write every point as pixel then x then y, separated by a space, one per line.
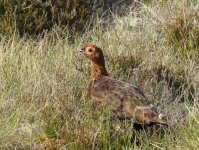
pixel 43 101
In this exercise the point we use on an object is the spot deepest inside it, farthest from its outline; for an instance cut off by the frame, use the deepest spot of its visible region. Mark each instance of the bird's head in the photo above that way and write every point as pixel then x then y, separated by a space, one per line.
pixel 93 53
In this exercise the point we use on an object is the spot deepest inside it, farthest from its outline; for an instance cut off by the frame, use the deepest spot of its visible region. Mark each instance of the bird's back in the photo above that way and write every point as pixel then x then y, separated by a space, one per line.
pixel 113 89
pixel 128 100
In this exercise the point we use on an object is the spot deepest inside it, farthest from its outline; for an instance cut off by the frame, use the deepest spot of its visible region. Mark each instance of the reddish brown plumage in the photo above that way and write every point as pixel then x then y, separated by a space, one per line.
pixel 128 101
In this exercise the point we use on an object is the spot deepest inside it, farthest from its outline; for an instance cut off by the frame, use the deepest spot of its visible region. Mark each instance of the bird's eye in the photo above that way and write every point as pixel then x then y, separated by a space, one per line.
pixel 90 50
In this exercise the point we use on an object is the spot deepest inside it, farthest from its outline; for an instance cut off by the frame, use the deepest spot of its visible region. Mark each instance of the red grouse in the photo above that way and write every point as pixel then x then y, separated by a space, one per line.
pixel 128 100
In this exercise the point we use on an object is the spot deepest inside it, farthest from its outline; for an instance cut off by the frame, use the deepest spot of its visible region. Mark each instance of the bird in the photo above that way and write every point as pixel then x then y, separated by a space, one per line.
pixel 128 101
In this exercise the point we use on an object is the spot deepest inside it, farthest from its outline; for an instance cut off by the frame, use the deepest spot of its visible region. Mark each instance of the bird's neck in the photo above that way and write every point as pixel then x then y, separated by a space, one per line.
pixel 98 70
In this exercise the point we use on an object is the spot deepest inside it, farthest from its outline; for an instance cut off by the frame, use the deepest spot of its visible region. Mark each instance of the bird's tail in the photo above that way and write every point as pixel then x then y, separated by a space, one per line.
pixel 148 115
pixel 158 121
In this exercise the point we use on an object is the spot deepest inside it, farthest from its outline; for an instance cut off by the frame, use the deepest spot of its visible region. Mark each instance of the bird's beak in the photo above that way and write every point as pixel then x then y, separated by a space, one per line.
pixel 81 50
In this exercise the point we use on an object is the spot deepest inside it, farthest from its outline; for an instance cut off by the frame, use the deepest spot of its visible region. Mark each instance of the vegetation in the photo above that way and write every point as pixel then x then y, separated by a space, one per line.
pixel 43 101
pixel 183 34
pixel 35 17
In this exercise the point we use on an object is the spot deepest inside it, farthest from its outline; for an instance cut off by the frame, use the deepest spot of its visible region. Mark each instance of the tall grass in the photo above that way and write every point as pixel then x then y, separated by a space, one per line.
pixel 43 101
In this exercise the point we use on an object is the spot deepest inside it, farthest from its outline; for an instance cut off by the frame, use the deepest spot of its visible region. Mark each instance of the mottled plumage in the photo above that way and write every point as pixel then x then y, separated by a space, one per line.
pixel 128 101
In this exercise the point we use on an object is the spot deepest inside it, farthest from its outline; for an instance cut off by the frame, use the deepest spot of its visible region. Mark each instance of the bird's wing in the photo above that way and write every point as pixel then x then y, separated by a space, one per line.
pixel 129 99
